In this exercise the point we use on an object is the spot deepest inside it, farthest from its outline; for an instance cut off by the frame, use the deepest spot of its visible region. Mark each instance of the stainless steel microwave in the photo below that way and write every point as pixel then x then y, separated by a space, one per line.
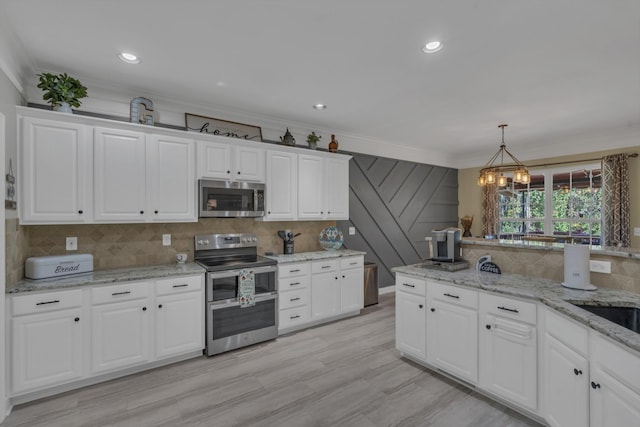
pixel 230 199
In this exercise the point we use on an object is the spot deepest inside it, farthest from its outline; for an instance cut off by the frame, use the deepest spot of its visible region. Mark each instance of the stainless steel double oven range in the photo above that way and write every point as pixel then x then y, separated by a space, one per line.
pixel 230 326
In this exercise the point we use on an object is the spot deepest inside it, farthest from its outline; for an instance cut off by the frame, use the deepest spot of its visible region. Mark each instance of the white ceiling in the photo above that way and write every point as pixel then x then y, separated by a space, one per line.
pixel 564 74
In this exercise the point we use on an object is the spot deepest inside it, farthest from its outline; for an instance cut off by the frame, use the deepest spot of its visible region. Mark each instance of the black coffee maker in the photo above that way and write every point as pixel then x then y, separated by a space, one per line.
pixel 287 237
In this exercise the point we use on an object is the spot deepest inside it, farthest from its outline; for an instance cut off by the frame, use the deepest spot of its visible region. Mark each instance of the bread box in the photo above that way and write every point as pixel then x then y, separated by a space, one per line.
pixel 55 266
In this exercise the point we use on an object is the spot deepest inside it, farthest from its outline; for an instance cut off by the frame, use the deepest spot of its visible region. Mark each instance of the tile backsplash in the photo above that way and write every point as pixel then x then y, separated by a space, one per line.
pixel 130 245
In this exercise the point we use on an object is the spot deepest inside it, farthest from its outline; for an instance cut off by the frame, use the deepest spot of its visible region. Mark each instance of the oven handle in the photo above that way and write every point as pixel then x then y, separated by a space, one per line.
pixel 217 305
pixel 232 273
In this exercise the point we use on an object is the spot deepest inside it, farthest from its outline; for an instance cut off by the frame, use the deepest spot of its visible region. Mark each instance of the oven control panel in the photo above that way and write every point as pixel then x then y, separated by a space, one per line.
pixel 225 241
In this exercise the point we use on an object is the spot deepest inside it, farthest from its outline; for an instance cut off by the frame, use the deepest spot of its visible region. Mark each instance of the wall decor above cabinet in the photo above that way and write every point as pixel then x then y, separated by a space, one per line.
pixel 213 126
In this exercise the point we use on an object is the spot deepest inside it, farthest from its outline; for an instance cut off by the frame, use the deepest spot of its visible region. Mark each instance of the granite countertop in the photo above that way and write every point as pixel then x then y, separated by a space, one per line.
pixel 104 277
pixel 632 253
pixel 549 292
pixel 313 256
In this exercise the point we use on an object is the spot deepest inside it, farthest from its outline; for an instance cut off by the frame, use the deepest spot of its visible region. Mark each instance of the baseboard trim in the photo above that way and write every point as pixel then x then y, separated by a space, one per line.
pixel 387 290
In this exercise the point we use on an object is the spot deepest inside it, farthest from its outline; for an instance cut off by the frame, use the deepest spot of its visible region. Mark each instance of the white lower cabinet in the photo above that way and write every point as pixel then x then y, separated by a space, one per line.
pixel 615 384
pixel 452 330
pixel 120 331
pixel 325 289
pixel 351 284
pixel 508 350
pixel 411 316
pixel 46 341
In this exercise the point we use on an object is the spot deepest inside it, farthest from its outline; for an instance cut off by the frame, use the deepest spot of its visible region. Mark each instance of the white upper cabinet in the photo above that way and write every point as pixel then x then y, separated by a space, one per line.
pixel 171 184
pixel 221 160
pixel 337 188
pixel 56 168
pixel 282 185
pixel 120 175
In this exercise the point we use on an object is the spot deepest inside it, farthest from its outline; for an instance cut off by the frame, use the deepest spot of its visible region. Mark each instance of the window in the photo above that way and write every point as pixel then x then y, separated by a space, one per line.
pixel 565 203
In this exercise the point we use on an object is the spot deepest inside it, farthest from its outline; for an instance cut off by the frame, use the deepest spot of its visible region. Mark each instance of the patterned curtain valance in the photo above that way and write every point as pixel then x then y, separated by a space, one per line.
pixel 615 186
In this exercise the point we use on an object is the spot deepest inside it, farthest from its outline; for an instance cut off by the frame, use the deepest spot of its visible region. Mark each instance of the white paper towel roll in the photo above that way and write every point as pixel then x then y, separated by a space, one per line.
pixel 576 268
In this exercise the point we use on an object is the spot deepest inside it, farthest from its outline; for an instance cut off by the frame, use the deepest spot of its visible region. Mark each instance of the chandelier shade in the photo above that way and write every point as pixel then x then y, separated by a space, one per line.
pixel 494 174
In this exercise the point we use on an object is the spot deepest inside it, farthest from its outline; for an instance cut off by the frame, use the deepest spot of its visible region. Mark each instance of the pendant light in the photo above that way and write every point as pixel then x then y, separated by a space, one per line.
pixel 492 173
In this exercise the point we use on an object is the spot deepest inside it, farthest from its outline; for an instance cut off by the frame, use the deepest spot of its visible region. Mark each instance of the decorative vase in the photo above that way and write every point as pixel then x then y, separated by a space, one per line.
pixel 313 145
pixel 333 145
pixel 63 108
pixel 287 139
pixel 466 222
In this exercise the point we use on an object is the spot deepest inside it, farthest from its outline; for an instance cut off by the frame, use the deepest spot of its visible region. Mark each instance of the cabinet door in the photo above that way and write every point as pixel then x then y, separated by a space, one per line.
pixel 46 349
pixel 120 335
pixel 171 183
pixel 411 333
pixel 325 295
pixel 352 290
pixel 214 160
pixel 120 174
pixel 452 339
pixel 566 385
pixel 56 170
pixel 179 324
pixel 249 164
pixel 311 187
pixel 508 360
pixel 611 402
pixel 337 188
pixel 281 192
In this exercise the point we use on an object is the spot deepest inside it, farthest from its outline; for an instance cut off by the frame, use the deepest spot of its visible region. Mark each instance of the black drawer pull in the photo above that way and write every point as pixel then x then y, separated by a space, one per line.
pixel 594 385
pixel 577 371
pixel 121 293
pixel 353 263
pixel 294 317
pixel 294 284
pixel 184 285
pixel 77 319
pixel 326 266
pixel 451 296
pixel 294 271
pixel 512 310
pixel 406 284
pixel 55 301
pixel 294 299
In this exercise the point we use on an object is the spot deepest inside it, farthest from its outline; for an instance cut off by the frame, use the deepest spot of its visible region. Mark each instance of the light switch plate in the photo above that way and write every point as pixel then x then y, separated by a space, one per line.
pixel 166 240
pixel 600 266
pixel 352 231
pixel 636 231
pixel 72 243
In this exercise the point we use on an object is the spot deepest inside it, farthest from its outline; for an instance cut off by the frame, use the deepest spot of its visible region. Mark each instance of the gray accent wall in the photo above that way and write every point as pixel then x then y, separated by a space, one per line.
pixel 394 205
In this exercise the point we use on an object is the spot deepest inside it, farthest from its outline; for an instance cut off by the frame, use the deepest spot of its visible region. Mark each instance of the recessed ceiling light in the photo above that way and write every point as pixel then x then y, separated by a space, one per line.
pixel 221 84
pixel 319 106
pixel 432 47
pixel 129 58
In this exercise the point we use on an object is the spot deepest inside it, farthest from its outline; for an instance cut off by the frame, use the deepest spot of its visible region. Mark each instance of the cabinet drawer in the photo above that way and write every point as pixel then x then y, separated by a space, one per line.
pixel 411 284
pixel 293 317
pixel 50 301
pixel 293 298
pixel 178 284
pixel 453 295
pixel 292 283
pixel 117 293
pixel 293 270
pixel 567 331
pixel 326 266
pixel 351 262
pixel 508 307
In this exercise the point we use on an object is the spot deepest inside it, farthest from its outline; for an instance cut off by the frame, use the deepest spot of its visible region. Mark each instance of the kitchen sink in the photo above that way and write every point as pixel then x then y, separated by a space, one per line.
pixel 629 317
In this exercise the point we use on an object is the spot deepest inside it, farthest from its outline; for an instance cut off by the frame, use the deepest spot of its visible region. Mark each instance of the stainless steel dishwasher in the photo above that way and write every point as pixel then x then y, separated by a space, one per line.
pixel 370 283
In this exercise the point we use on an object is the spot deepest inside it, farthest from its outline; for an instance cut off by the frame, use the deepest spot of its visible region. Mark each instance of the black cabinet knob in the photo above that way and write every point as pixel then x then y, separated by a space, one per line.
pixel 488 326
pixel 336 277
pixel 344 277
pixel 228 171
pixel 577 371
pixel 144 308
pixel 321 213
pixel 420 306
pixel 433 309
pixel 159 305
pixel 141 212
pixel 77 319
pixel 155 212
pixel 80 212
pixel 594 385
pixel 238 172
pixel 269 212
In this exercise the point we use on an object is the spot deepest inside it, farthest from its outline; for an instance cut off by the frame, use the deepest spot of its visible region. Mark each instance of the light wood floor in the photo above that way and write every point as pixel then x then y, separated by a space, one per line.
pixel 347 373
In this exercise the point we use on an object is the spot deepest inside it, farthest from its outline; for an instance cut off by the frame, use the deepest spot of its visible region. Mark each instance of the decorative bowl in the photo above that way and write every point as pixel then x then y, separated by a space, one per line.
pixel 331 238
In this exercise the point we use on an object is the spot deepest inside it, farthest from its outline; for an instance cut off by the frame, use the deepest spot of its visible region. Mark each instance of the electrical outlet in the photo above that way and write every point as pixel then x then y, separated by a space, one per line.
pixel 600 266
pixel 352 231
pixel 636 231
pixel 166 240
pixel 72 243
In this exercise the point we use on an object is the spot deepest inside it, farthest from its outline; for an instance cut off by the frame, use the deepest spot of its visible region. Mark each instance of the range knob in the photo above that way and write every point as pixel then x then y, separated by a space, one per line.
pixel 254 239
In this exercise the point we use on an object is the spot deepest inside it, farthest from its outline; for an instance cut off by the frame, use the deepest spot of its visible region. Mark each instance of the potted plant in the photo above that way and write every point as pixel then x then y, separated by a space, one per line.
pixel 62 91
pixel 313 139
